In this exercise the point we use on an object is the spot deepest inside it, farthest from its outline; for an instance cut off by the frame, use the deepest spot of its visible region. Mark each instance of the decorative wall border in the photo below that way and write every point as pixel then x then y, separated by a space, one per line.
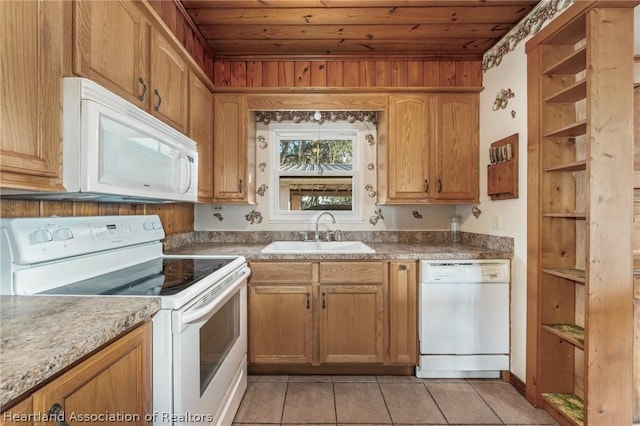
pixel 531 24
pixel 319 117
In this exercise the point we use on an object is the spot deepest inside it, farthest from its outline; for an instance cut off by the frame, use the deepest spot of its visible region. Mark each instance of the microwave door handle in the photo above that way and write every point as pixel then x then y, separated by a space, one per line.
pixel 192 316
pixel 183 183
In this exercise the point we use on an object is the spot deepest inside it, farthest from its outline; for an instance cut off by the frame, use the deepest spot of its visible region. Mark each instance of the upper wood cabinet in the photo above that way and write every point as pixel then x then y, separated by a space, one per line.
pixel 32 66
pixel 169 83
pixel 111 47
pixel 201 130
pixel 431 155
pixel 230 148
pixel 455 148
pixel 408 149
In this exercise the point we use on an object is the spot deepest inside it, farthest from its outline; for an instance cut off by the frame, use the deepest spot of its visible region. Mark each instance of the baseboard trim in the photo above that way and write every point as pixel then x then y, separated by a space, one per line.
pixel 515 381
pixel 331 369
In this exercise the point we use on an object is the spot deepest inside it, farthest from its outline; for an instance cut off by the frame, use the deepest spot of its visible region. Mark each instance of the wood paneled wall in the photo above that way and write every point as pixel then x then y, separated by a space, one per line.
pixel 342 73
pixel 176 218
pixel 176 18
pixel 636 259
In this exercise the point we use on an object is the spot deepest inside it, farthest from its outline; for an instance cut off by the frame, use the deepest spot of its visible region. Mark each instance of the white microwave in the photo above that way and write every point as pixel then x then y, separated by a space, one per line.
pixel 115 151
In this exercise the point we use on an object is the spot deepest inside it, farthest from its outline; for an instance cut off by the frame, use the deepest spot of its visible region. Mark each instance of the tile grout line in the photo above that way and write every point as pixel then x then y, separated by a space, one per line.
pixel 485 401
pixel 424 383
pixel 284 402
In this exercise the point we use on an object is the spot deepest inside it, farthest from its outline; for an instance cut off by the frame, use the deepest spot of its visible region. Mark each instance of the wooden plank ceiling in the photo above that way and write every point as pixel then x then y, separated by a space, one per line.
pixel 354 28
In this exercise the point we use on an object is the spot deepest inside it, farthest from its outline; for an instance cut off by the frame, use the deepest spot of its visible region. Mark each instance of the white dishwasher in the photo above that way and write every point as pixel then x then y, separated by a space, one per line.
pixel 464 318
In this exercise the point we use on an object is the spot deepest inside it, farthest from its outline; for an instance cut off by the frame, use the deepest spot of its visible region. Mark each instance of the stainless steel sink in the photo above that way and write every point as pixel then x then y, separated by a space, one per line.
pixel 317 247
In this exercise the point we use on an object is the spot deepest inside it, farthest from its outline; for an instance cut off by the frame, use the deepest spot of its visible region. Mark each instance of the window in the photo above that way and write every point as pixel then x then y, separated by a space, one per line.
pixel 316 169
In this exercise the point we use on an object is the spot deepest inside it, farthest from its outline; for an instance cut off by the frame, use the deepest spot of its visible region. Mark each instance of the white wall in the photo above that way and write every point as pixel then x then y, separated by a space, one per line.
pixel 506 217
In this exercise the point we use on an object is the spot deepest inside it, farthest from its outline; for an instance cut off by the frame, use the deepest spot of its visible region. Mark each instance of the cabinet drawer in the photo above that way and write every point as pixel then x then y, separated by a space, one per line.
pixel 281 272
pixel 352 272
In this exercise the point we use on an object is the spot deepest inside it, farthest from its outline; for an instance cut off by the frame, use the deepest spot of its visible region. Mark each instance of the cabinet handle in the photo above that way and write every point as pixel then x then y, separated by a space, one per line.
pixel 240 187
pixel 56 413
pixel 426 186
pixel 324 300
pixel 308 301
pixel 157 106
pixel 144 88
pixel 403 267
pixel 439 186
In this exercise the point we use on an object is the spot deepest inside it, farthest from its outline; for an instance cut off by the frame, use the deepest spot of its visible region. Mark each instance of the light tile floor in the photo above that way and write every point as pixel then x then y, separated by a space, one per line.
pixel 383 400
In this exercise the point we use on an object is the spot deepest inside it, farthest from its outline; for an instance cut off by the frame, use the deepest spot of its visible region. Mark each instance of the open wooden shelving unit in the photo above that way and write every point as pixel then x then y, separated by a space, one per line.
pixel 580 174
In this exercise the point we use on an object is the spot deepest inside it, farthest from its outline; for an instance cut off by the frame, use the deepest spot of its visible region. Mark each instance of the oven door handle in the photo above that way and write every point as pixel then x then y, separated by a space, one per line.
pixel 189 317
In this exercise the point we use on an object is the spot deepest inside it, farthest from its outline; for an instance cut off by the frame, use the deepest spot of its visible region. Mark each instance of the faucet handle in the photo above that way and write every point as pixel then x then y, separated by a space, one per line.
pixel 337 235
pixel 304 234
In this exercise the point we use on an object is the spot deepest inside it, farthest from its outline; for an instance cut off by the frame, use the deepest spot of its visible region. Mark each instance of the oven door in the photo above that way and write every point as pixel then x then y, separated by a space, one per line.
pixel 210 348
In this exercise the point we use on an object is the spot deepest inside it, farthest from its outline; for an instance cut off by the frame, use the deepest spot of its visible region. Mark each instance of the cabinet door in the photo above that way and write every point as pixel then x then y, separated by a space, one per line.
pixel 201 130
pixel 111 41
pixel 170 83
pixel 408 150
pixel 229 148
pixel 351 323
pixel 403 312
pixel 455 148
pixel 115 380
pixel 18 415
pixel 30 129
pixel 280 324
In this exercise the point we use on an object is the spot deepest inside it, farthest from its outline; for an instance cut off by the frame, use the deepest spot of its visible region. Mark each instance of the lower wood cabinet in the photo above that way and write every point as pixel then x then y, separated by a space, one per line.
pixel 333 313
pixel 280 324
pixel 113 381
pixel 403 312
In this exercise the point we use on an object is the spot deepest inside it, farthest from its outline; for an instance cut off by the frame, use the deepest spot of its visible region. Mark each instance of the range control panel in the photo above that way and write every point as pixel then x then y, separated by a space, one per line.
pixel 36 240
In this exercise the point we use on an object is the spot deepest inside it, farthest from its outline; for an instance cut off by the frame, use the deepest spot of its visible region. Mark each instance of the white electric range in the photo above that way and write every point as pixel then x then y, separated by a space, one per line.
pixel 200 333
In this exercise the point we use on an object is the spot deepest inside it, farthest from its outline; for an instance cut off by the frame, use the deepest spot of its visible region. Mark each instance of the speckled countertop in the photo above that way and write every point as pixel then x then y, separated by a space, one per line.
pixel 383 251
pixel 42 335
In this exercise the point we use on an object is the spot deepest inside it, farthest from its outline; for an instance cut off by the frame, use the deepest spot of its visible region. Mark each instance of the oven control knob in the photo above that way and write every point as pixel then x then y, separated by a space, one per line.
pixel 157 225
pixel 62 234
pixel 41 236
pixel 148 226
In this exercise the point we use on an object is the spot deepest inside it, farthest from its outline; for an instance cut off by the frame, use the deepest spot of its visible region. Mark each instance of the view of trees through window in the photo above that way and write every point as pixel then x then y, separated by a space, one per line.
pixel 326 152
pixel 318 173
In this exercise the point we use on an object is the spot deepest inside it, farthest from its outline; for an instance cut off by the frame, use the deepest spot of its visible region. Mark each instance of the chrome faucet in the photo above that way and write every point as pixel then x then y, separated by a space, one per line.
pixel 316 235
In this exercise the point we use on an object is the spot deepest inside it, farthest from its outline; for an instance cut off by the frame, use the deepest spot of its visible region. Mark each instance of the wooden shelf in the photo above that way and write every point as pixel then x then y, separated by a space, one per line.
pixel 576 275
pixel 569 405
pixel 572 64
pixel 572 33
pixel 577 91
pixel 571 333
pixel 578 128
pixel 580 134
pixel 569 215
pixel 574 166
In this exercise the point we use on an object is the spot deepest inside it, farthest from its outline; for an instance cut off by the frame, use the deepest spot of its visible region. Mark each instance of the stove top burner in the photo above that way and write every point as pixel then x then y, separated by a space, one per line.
pixel 158 277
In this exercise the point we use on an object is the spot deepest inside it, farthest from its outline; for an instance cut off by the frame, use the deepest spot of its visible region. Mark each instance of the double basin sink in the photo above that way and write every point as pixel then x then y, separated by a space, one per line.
pixel 317 247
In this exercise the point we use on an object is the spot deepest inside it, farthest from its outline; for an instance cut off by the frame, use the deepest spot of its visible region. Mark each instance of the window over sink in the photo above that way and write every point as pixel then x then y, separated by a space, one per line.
pixel 316 167
pixel 315 173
